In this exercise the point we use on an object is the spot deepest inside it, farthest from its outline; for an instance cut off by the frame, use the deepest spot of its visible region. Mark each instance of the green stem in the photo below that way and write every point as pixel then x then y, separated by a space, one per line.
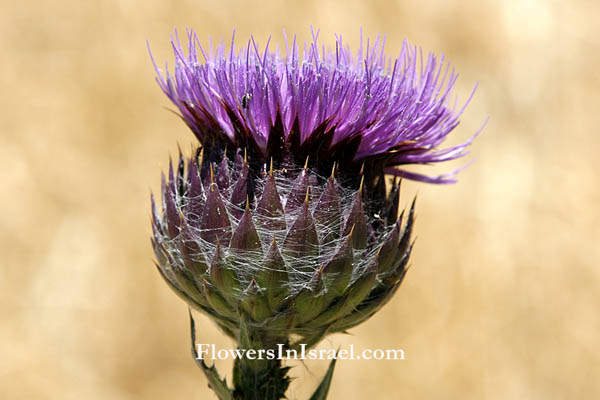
pixel 259 379
pixel 256 376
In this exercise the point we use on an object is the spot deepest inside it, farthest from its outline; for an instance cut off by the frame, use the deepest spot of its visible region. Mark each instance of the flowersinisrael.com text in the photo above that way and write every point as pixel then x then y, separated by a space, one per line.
pixel 210 352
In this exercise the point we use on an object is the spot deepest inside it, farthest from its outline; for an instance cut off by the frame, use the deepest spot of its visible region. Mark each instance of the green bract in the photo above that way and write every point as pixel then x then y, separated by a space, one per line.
pixel 289 252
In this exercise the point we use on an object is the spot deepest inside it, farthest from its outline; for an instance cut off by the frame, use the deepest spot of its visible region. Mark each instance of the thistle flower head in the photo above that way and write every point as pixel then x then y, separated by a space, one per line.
pixel 336 106
pixel 283 222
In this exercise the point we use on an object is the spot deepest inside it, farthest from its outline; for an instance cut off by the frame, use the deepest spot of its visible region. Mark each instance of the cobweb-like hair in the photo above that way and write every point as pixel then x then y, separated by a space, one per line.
pixel 312 234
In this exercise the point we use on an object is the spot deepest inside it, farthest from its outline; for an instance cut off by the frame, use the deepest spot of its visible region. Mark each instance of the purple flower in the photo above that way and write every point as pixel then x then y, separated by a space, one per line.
pixel 282 227
pixel 330 105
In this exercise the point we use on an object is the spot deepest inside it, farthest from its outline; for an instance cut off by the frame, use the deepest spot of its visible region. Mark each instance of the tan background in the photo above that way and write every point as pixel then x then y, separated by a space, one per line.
pixel 502 300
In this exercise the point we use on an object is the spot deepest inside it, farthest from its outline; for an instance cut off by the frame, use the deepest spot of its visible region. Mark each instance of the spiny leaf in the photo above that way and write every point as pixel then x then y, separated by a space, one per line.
pixel 218 385
pixel 323 388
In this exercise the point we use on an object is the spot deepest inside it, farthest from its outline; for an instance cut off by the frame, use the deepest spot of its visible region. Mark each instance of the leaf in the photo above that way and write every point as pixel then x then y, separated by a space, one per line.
pixel 323 389
pixel 218 385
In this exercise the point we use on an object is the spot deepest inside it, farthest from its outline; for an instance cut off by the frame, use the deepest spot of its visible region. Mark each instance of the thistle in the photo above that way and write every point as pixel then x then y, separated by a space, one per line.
pixel 282 226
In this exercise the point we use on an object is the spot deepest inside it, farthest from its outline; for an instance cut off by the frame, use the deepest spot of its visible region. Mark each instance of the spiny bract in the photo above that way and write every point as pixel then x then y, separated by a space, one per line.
pixel 303 257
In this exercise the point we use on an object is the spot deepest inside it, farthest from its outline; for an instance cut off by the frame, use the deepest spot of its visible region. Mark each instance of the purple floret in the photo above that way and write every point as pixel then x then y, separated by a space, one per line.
pixel 365 105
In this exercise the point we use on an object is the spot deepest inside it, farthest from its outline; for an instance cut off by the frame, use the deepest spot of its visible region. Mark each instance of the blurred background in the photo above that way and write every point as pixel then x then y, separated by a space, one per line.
pixel 502 299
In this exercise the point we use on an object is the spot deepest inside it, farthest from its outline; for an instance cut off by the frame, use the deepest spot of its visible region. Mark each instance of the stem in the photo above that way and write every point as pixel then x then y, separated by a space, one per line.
pixel 260 378
pixel 256 379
